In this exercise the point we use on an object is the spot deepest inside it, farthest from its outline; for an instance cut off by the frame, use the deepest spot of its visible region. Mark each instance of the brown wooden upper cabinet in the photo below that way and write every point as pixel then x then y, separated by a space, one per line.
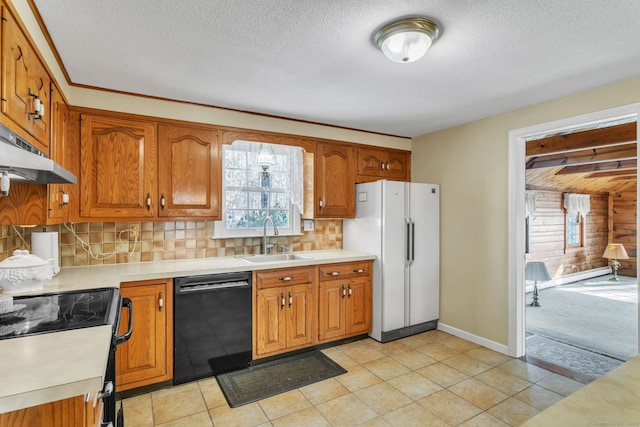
pixel 118 168
pixel 379 163
pixel 26 84
pixel 58 194
pixel 335 181
pixel 189 172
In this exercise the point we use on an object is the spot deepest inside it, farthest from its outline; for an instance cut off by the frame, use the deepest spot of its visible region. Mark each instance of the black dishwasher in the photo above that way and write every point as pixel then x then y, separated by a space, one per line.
pixel 212 325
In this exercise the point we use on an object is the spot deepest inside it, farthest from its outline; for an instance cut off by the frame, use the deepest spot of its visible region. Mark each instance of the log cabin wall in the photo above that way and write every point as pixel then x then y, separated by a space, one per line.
pixel 623 228
pixel 547 235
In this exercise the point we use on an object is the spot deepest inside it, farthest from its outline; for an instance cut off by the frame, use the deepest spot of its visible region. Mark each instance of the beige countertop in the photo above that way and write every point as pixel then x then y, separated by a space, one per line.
pixel 47 367
pixel 611 400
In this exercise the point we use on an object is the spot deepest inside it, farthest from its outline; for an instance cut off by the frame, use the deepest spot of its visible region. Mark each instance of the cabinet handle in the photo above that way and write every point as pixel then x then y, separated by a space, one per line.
pixel 285 279
pixel 162 201
pixel 281 300
pixel 160 302
pixel 360 270
pixel 148 201
pixel 344 292
pixel 333 273
pixel 382 165
pixel 350 290
pixel 290 299
pixel 321 203
pixel 387 166
pixel 106 391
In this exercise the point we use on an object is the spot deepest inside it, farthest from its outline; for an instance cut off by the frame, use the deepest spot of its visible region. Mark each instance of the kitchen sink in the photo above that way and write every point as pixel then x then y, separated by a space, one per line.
pixel 261 259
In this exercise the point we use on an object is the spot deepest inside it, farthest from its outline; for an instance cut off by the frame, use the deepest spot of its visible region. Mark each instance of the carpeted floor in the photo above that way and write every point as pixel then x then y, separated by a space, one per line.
pixel 597 315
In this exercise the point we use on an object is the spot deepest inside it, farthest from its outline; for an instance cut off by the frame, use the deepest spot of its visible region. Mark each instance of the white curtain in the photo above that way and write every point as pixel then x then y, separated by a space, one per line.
pixel 530 202
pixel 285 155
pixel 577 203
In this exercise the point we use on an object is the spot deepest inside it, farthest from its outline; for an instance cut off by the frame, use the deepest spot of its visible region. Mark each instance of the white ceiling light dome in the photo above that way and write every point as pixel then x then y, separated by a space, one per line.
pixel 406 39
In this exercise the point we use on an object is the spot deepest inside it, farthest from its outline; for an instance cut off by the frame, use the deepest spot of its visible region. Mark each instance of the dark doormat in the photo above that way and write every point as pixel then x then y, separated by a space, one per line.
pixel 277 376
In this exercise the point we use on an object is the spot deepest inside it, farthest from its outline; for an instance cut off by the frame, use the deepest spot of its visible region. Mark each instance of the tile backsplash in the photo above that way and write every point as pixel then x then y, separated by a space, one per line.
pixel 111 242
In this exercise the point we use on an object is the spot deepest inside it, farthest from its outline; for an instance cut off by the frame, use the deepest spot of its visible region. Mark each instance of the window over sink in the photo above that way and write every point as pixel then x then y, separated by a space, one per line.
pixel 260 179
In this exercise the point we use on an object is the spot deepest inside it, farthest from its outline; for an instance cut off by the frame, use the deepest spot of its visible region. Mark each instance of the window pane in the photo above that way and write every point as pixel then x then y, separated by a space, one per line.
pixel 235 199
pixel 281 218
pixel 255 200
pixel 234 177
pixel 256 218
pixel 234 159
pixel 236 219
pixel 279 201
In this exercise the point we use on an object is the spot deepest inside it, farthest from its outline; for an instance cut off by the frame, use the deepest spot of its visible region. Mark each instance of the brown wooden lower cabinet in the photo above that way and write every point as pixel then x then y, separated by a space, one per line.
pixel 147 357
pixel 79 411
pixel 283 315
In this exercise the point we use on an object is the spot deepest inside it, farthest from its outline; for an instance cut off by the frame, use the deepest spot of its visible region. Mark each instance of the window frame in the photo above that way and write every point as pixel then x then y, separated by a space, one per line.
pixel 580 224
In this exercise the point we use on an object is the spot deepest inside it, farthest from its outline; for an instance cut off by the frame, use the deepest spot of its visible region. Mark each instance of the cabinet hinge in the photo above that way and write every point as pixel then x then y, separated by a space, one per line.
pixel 3 99
pixel 4 19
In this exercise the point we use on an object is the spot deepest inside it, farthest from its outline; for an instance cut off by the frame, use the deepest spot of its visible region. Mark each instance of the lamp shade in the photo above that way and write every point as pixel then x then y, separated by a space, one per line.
pixel 537 271
pixel 266 157
pixel 615 251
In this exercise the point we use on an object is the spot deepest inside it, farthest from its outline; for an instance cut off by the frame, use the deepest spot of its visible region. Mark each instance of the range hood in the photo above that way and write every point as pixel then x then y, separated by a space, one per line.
pixel 25 163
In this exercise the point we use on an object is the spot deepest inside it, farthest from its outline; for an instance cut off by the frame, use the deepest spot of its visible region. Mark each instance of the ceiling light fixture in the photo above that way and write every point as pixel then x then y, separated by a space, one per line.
pixel 406 39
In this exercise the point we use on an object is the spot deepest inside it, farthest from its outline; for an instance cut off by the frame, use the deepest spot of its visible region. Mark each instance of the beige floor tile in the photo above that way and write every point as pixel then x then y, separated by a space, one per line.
pixel 413 359
pixel 466 364
pixel 388 348
pixel 488 356
pixel 324 390
pixel 414 385
pixel 138 411
pixel 513 411
pixel 362 353
pixel 443 375
pixel 346 411
pixel 192 386
pixel 503 381
pixel 484 420
pixel 457 344
pixel 382 398
pixel 414 415
pixel 525 370
pixel 438 351
pixel 284 404
pixel 538 397
pixel 451 408
pixel 309 417
pixel 342 359
pixel 477 393
pixel 212 394
pixel 201 419
pixel 180 403
pixel 418 340
pixel 249 415
pixel 386 368
pixel 375 422
pixel 559 384
pixel 358 378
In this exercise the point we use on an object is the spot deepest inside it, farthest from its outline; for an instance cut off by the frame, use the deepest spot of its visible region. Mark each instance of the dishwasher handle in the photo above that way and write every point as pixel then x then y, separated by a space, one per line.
pixel 199 287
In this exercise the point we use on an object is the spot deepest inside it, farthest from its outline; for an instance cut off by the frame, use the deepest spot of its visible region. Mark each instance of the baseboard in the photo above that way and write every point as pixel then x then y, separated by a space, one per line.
pixel 492 345
pixel 570 278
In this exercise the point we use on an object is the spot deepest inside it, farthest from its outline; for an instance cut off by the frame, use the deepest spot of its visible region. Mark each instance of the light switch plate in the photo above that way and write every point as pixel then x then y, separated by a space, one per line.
pixel 307 225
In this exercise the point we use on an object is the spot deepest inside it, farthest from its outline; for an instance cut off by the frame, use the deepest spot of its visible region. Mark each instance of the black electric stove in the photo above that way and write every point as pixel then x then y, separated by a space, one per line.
pixel 36 314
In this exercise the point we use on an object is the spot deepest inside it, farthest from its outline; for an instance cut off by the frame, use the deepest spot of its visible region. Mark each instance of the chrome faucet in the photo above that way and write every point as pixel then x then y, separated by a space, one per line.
pixel 265 246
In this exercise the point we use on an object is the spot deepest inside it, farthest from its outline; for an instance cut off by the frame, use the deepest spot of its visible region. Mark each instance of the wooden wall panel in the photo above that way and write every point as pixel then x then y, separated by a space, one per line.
pixel 547 235
pixel 624 229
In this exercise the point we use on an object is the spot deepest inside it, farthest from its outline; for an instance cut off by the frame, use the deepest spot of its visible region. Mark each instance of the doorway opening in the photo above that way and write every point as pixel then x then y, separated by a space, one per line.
pixel 517 207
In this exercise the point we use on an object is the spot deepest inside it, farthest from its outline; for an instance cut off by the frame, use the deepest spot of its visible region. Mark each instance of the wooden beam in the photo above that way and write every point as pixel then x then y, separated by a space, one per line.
pixel 618 173
pixel 595 155
pixel 576 141
pixel 599 167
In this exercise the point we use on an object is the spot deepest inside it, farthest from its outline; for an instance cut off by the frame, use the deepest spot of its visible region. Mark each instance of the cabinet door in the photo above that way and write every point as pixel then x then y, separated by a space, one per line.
pixel 66 412
pixel 371 162
pixel 397 166
pixel 300 315
pixel 358 306
pixel 188 172
pixel 58 211
pixel 271 325
pixel 335 181
pixel 23 79
pixel 118 168
pixel 331 316
pixel 147 357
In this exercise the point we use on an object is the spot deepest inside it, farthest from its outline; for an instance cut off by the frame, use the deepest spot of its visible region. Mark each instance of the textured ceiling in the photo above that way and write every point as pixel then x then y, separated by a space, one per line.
pixel 314 60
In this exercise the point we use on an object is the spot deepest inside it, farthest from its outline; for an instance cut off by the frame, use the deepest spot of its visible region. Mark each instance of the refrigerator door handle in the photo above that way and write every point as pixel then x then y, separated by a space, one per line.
pixel 413 241
pixel 407 257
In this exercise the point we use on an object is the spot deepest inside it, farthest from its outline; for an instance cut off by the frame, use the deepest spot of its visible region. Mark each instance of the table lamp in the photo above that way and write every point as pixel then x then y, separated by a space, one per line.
pixel 614 252
pixel 536 271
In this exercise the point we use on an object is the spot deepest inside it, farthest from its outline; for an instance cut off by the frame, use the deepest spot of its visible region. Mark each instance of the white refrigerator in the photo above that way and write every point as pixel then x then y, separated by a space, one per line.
pixel 399 222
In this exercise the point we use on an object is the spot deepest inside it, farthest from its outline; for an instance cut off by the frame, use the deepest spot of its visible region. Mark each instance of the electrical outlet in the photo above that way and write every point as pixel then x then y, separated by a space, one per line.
pixel 134 231
pixel 307 225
